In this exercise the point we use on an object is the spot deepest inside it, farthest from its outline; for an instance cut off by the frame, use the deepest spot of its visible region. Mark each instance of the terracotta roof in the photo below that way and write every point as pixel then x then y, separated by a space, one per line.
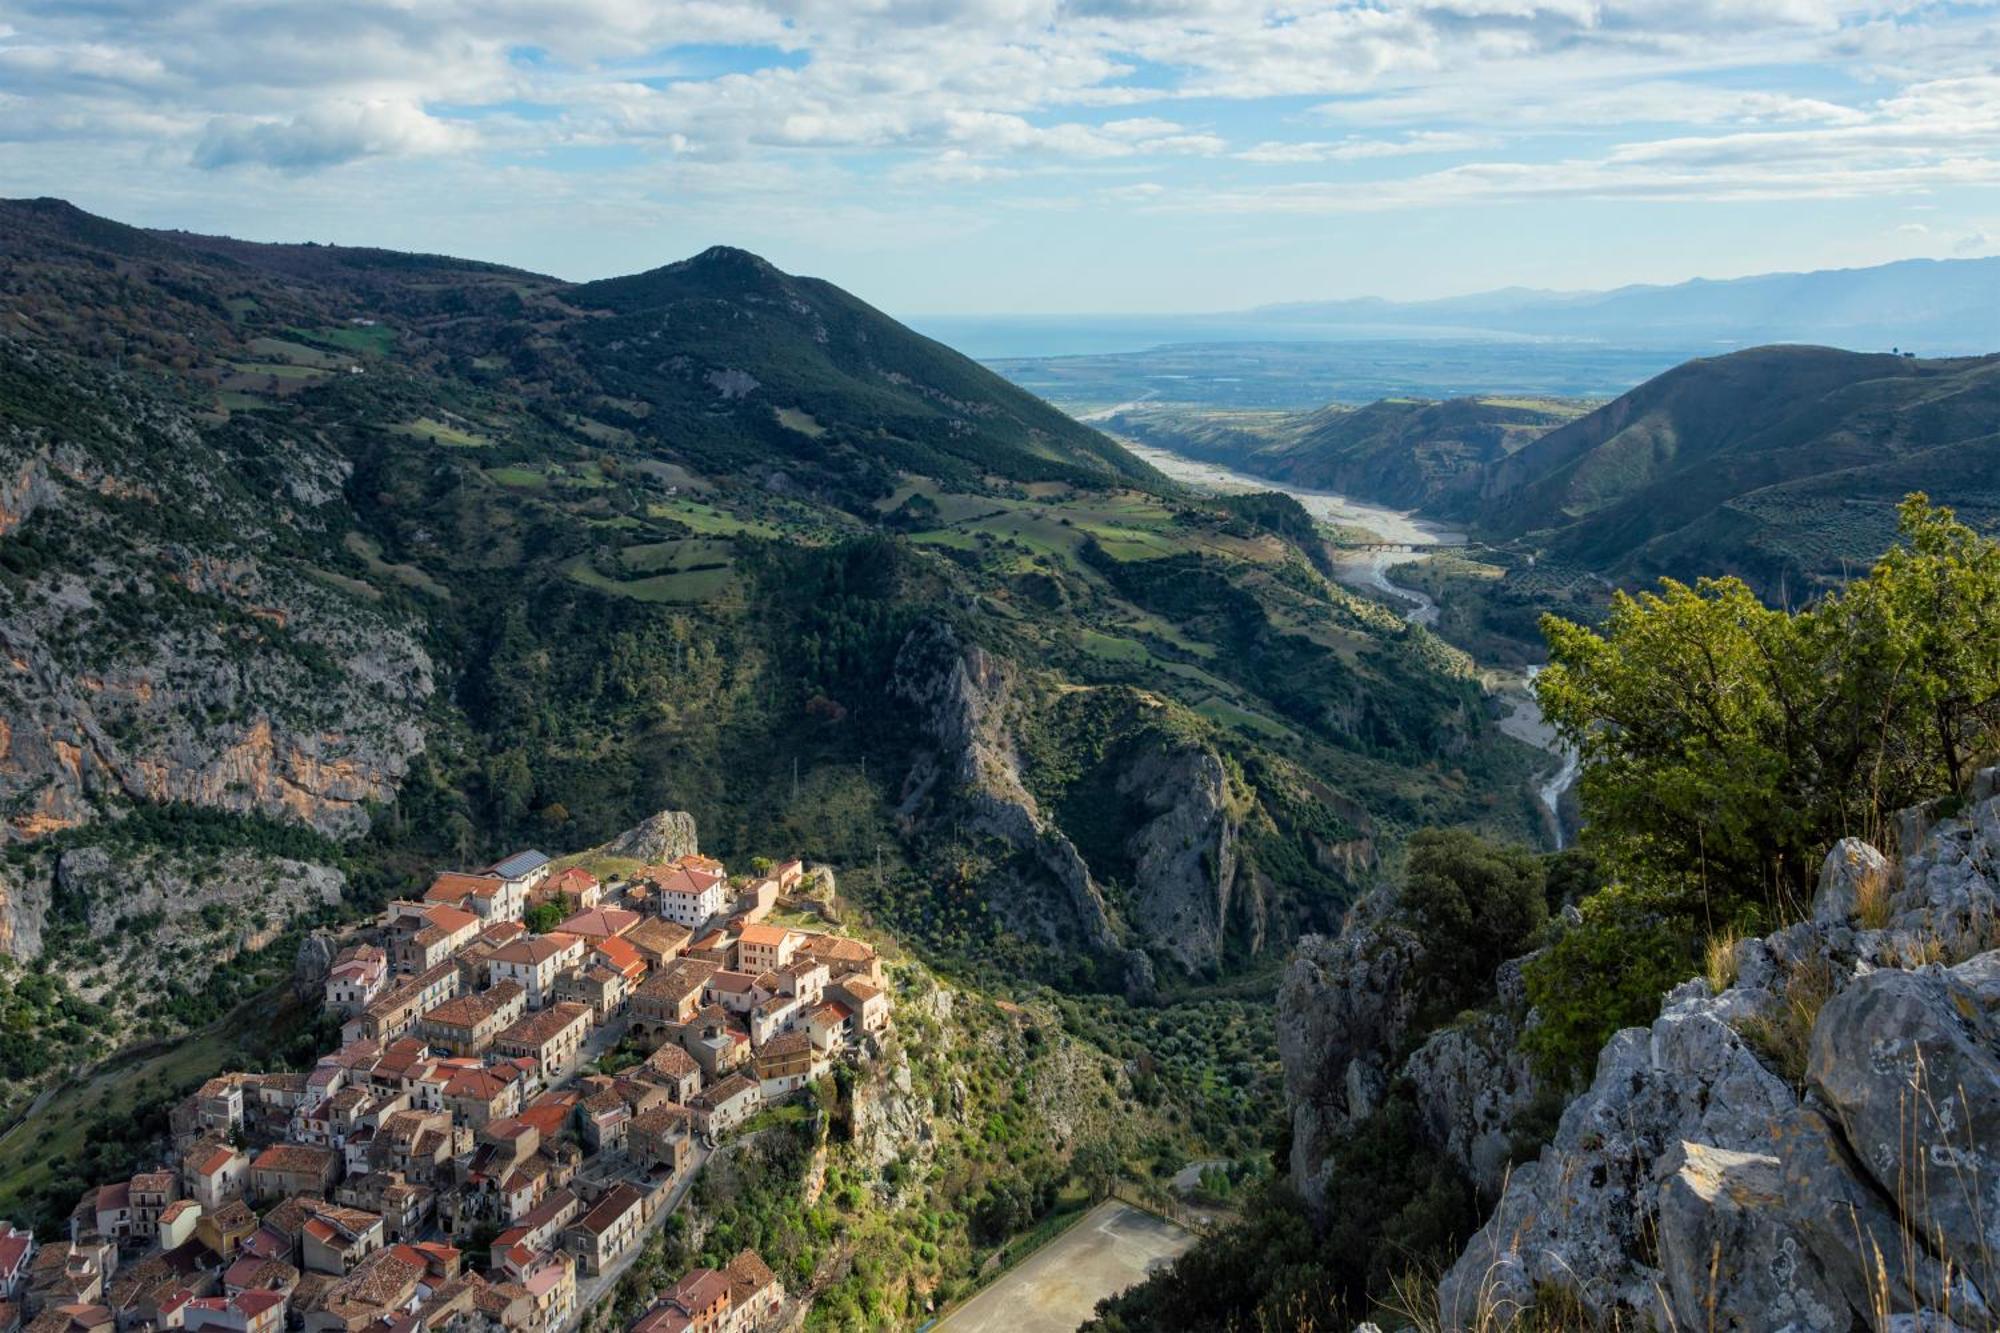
pixel 455 887
pixel 700 1290
pixel 685 881
pixel 293 1157
pixel 768 936
pixel 733 1086
pixel 548 1119
pixel 839 948
pixel 679 979
pixel 732 983
pixel 534 949
pixel 254 1303
pixel 448 919
pixel 786 1043
pixel 660 935
pixel 538 1029
pixel 468 1011
pixel 748 1276
pixel 671 1061
pixel 573 877
pixel 617 1201
pixel 621 955
pixel 666 1118
pixel 600 922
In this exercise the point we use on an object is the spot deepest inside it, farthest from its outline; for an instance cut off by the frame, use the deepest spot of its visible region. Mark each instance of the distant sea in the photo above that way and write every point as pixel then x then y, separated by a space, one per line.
pixel 1005 337
pixel 1087 363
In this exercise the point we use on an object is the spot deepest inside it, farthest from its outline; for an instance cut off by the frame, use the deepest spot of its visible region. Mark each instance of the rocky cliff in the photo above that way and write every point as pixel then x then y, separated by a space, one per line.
pixel 1177 797
pixel 1346 1032
pixel 157 642
pixel 1813 1146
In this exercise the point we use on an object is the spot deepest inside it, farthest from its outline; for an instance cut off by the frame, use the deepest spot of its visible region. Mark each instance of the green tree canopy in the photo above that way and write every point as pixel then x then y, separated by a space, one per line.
pixel 1728 744
pixel 1475 903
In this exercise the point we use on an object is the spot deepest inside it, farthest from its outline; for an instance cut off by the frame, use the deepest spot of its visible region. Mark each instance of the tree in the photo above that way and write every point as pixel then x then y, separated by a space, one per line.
pixel 544 917
pixel 1475 903
pixel 1727 745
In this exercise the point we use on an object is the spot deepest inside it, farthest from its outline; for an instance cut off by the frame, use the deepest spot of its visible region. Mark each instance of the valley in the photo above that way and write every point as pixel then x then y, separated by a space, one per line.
pixel 1203 782
pixel 1357 526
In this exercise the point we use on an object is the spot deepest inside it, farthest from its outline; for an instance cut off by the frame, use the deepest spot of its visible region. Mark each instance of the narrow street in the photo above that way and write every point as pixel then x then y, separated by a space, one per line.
pixel 590 1291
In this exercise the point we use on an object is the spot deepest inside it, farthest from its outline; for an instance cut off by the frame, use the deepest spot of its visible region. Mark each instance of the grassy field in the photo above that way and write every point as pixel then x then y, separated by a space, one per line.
pixel 678 585
pixel 709 520
pixel 439 432
pixel 279 349
pixel 370 552
pixel 370 340
pixel 802 422
pixel 278 370
pixel 519 478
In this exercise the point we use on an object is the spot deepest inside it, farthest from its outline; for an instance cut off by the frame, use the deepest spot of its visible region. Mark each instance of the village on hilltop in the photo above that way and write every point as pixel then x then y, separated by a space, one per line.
pixel 531 1058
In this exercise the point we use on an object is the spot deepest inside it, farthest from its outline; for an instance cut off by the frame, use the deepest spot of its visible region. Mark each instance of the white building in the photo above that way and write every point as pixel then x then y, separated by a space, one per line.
pixel 691 894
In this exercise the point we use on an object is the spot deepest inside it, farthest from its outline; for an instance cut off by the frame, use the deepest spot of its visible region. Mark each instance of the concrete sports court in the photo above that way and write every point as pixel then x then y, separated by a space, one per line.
pixel 1058 1287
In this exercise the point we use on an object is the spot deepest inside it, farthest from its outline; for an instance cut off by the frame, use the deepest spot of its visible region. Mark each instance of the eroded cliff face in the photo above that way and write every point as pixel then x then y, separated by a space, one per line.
pixel 1695 1185
pixel 1184 857
pixel 156 645
pixel 132 921
pixel 1182 851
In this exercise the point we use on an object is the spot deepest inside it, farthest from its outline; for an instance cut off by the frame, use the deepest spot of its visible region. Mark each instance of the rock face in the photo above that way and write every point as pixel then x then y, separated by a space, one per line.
pixel 666 836
pixel 162 647
pixel 1854 873
pixel 1693 1186
pixel 311 966
pixel 1724 1249
pixel 962 693
pixel 1344 1020
pixel 1343 1008
pixel 161 917
pixel 1472 1083
pixel 1183 854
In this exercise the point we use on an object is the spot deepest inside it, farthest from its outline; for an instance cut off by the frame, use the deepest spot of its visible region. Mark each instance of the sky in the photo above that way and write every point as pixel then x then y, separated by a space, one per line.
pixel 1035 156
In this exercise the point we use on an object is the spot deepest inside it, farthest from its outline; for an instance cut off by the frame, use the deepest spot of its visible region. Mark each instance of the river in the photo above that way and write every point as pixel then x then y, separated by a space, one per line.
pixel 1370 570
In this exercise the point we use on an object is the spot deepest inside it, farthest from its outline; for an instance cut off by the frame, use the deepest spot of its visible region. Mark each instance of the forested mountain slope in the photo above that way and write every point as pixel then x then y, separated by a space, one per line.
pixel 1783 464
pixel 1407 452
pixel 372 562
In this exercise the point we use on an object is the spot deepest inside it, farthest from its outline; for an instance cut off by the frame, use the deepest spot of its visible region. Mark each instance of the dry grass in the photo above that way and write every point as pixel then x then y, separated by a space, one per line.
pixel 1871 901
pixel 1719 959
pixel 1784 1038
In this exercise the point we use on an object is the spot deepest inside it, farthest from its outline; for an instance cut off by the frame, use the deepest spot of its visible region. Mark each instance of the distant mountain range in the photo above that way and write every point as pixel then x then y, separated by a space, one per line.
pixel 1932 306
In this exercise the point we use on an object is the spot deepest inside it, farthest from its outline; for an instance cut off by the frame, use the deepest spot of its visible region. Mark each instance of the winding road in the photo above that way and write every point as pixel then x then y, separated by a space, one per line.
pixel 1370 570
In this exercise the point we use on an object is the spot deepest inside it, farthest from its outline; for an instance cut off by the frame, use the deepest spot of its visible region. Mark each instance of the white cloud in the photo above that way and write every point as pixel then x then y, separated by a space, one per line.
pixel 326 136
pixel 1525 99
pixel 1279 152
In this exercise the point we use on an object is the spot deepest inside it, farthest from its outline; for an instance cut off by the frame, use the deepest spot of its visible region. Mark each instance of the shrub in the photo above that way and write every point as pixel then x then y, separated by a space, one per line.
pixel 1605 974
pixel 1476 905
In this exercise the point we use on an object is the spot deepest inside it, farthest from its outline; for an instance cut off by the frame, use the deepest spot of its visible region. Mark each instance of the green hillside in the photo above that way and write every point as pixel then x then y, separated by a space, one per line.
pixel 464 558
pixel 1407 452
pixel 1782 464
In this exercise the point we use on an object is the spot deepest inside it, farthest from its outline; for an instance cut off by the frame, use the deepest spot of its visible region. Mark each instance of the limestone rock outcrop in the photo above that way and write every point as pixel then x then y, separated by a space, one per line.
pixel 1343 1008
pixel 168 640
pixel 666 836
pixel 1694 1184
